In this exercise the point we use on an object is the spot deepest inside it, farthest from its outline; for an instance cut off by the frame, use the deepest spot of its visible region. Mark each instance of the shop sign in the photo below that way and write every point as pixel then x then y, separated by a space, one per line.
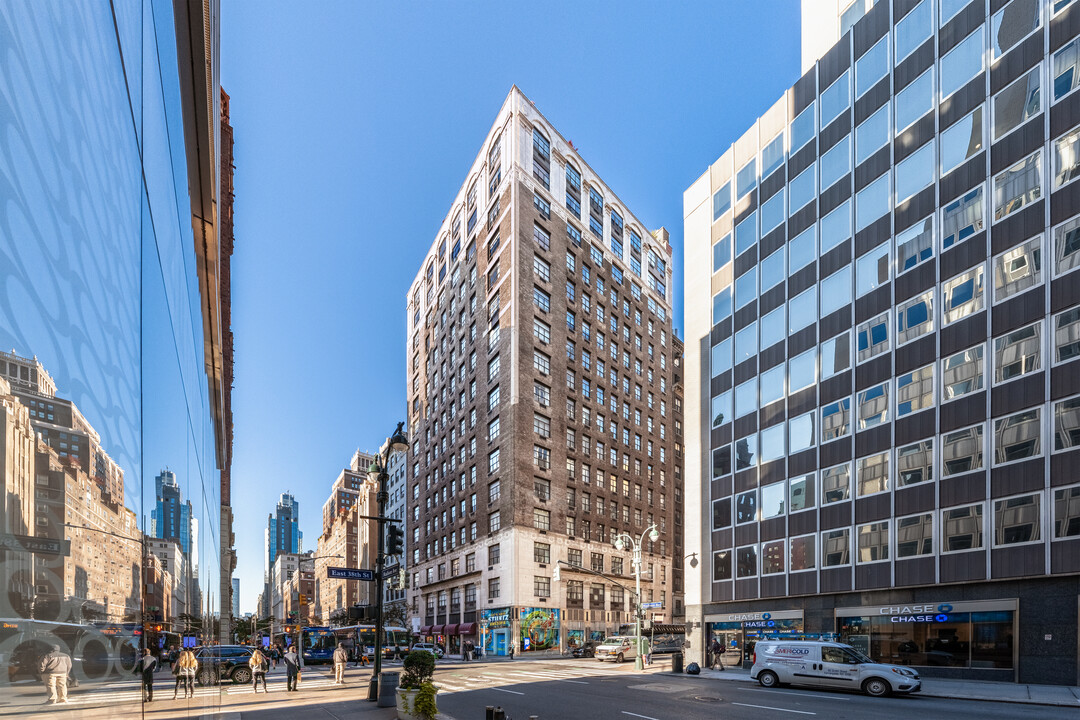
pixel 495 619
pixel 757 619
pixel 925 612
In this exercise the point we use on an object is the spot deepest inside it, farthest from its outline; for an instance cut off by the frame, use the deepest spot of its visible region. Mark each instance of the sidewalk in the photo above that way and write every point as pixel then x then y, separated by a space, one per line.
pixel 1059 695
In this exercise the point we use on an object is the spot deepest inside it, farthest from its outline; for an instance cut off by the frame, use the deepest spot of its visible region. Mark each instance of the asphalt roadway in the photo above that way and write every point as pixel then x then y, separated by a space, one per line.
pixel 600 692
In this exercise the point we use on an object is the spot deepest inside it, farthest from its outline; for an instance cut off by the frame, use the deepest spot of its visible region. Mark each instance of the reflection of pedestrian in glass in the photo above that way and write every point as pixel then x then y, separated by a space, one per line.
pixel 146 667
pixel 184 670
pixel 54 668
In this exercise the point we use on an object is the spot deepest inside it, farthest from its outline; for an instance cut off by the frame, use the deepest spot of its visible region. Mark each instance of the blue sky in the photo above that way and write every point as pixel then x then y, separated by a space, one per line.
pixel 355 123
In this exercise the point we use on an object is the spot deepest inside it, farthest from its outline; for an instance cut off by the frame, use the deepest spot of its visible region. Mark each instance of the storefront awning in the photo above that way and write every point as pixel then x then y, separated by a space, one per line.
pixel 425 630
pixel 451 629
pixel 437 629
pixel 467 629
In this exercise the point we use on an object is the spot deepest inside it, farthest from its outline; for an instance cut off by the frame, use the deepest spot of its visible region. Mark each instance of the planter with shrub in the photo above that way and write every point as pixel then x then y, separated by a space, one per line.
pixel 416 692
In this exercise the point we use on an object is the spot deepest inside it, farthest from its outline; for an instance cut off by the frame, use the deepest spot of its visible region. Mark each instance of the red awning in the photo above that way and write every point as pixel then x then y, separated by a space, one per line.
pixel 451 629
pixel 425 630
pixel 437 629
pixel 467 629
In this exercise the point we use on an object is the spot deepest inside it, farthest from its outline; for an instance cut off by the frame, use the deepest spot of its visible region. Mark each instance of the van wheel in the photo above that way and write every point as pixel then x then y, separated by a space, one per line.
pixel 620 658
pixel 876 687
pixel 768 679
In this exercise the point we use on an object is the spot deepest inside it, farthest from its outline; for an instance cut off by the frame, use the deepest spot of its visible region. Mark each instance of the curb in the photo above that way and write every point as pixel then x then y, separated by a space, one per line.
pixel 738 677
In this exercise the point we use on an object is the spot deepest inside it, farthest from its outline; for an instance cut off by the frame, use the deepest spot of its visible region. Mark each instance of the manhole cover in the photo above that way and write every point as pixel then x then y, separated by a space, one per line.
pixel 706 698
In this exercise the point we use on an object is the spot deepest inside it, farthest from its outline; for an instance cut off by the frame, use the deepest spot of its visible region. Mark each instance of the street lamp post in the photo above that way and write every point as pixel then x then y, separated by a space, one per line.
pixel 397 443
pixel 624 540
pixel 300 630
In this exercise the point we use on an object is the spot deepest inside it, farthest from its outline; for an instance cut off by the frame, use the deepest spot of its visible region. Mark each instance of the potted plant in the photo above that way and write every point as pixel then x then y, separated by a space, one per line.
pixel 416 693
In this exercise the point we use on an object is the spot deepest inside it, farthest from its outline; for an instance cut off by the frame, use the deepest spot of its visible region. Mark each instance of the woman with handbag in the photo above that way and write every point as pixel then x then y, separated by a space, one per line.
pixel 184 669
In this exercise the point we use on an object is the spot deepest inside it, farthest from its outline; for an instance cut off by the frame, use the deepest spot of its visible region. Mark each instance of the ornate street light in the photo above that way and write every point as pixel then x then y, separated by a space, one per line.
pixel 622 541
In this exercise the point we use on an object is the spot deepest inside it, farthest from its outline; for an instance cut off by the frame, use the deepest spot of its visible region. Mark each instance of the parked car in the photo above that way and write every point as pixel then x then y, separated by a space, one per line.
pixel 619 648
pixel 584 650
pixel 828 665
pixel 222 663
pixel 429 647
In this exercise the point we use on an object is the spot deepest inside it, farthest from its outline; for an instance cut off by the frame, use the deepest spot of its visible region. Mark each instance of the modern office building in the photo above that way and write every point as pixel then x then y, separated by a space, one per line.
pixel 540 358
pixel 110 257
pixel 171 517
pixel 883 322
pixel 395 602
pixel 282 535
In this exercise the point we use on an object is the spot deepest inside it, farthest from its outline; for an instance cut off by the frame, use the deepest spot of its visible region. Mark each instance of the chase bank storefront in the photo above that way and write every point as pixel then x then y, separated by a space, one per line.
pixel 738 632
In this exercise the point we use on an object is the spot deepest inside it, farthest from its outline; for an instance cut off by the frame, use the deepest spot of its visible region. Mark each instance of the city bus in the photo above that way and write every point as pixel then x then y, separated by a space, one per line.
pixel 99 651
pixel 318 644
pixel 395 639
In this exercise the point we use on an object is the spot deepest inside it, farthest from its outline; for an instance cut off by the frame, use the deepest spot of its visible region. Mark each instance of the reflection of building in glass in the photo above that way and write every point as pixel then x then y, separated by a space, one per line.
pixel 893 247
pixel 171 517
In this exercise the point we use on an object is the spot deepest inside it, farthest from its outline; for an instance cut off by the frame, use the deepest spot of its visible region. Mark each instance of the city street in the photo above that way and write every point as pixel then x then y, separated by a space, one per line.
pixel 589 690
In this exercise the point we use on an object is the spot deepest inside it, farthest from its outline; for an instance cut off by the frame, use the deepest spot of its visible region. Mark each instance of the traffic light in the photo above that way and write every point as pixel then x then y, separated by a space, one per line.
pixel 395 539
pixel 363 613
pixel 303 599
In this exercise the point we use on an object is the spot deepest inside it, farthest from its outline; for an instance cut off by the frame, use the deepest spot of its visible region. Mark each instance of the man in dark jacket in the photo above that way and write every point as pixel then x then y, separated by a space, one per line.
pixel 54 668
pixel 146 667
pixel 292 668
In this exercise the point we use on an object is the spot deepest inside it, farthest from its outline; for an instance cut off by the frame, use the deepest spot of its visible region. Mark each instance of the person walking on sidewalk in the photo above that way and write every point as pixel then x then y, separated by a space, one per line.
pixel 146 666
pixel 258 665
pixel 184 669
pixel 292 668
pixel 54 668
pixel 512 648
pixel 340 658
pixel 718 650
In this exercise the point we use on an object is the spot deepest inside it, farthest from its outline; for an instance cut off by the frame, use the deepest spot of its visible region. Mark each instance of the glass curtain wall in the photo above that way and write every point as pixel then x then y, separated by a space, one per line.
pixel 111 493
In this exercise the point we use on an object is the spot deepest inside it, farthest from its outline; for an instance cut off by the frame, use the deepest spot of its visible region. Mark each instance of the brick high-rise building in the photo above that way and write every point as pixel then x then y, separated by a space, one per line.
pixel 540 360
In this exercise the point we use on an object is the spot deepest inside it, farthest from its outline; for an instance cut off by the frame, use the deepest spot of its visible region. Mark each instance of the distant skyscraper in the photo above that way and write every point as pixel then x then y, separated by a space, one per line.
pixel 171 517
pixel 283 530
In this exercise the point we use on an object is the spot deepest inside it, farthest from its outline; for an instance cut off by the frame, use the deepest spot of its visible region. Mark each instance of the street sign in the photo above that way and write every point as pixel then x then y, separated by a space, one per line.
pixel 27 544
pixel 652 605
pixel 349 574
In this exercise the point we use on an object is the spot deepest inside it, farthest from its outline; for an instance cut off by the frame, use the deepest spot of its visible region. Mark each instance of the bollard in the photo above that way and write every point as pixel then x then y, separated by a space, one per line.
pixel 677 663
pixel 499 714
pixel 489 713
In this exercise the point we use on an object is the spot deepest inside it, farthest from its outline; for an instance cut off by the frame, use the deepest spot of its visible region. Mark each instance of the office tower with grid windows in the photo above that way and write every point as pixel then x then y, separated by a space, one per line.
pixel 883 317
pixel 540 364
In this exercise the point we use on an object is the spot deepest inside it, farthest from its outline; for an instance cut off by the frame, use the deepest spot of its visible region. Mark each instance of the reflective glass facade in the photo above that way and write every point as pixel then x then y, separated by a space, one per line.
pixel 110 404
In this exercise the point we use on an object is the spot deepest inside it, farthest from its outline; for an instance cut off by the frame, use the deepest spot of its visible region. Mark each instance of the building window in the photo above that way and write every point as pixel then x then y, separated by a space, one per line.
pixel 493 462
pixel 873 542
pixel 835 99
pixel 915 536
pixel 1018 186
pixel 962 218
pixel 836 548
pixel 493 430
pixel 746 562
pixel 541 552
pixel 962 373
pixel 962 451
pixel 835 484
pixel 835 355
pixel 962 296
pixel 915 463
pixel 541 519
pixel 541 362
pixel 1016 104
pixel 493 554
pixel 721 565
pixel 541 269
pixel 915 391
pixel 746 510
pixel 541 331
pixel 873 405
pixel 494 521
pixel 962 141
pixel 493 589
pixel 915 318
pixel 1017 520
pixel 1018 353
pixel 873 337
pixel 962 528
pixel 873 474
pixel 914 101
pixel 544 208
pixel 1018 437
pixel 542 393
pixel 872 134
pixel 1018 269
pixel 962 63
pixel 1067 512
pixel 835 420
pixel 541 300
pixel 1067 335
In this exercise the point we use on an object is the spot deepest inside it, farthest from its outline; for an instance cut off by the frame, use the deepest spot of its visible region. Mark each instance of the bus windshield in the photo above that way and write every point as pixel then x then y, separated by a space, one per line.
pixel 319 643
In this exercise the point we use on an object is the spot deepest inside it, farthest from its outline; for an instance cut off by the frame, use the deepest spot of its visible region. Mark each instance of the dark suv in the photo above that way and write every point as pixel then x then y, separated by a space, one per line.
pixel 222 663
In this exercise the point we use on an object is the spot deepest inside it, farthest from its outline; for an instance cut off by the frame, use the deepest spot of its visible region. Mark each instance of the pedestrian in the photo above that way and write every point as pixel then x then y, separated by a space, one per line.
pixel 184 669
pixel 258 664
pixel 54 667
pixel 512 648
pixel 340 658
pixel 146 667
pixel 465 654
pixel 292 668
pixel 718 650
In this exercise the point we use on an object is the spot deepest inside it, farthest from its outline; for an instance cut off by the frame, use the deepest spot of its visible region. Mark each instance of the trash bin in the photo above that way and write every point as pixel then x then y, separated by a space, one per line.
pixel 388 682
pixel 676 663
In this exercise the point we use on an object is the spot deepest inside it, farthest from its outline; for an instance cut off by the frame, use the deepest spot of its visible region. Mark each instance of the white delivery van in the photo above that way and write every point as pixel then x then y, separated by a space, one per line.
pixel 619 648
pixel 828 665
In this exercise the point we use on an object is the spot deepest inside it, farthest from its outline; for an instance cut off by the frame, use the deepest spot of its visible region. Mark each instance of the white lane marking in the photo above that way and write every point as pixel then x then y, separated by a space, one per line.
pixel 624 712
pixel 829 696
pixel 548 676
pixel 515 692
pixel 767 707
